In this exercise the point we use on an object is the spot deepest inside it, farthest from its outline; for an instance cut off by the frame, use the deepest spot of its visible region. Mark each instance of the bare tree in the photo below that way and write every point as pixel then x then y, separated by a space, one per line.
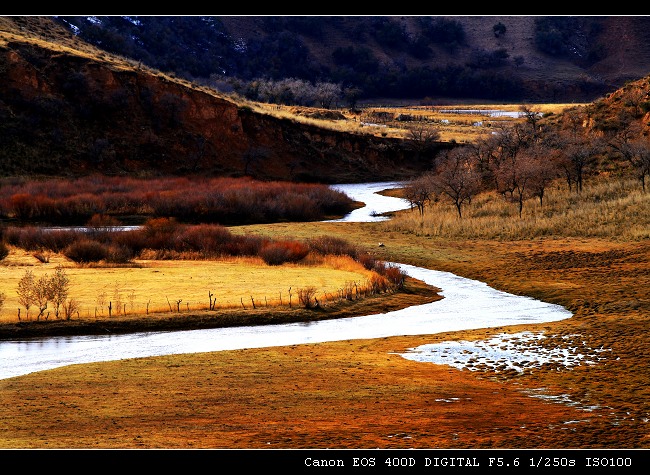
pixel 634 97
pixel 42 294
pixel 70 308
pixel 574 121
pixel 528 176
pixel 457 178
pixel 25 290
pixel 59 288
pixel 499 150
pixel 327 93
pixel 544 171
pixel 533 115
pixel 635 148
pixel 575 158
pixel 418 192
pixel 422 139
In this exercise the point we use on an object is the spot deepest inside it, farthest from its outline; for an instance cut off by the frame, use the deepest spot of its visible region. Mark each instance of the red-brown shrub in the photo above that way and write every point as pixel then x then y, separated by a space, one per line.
pixel 277 253
pixel 366 260
pixel 33 238
pixel 197 199
pixel 85 250
pixel 208 239
pixel 118 254
pixel 394 275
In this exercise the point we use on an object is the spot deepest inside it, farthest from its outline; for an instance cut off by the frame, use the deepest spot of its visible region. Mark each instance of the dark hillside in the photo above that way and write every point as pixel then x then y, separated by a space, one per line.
pixel 71 111
pixel 69 108
pixel 500 58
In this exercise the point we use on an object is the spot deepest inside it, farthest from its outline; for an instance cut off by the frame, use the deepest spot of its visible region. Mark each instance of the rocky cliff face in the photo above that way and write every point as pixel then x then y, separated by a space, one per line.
pixel 64 113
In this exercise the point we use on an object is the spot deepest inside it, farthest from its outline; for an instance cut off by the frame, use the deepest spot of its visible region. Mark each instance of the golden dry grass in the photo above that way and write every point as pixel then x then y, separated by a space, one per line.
pixel 590 254
pixel 152 286
pixel 453 127
pixel 607 208
pixel 361 394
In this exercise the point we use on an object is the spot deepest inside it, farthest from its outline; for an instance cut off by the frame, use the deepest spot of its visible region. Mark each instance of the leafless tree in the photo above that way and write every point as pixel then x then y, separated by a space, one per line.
pixel 418 192
pixel 528 176
pixel 532 115
pixel 422 139
pixel 327 94
pixel 70 308
pixel 576 157
pixel 25 290
pixel 634 97
pixel 544 171
pixel 59 288
pixel 637 153
pixel 499 150
pixel 457 178
pixel 634 147
pixel 42 293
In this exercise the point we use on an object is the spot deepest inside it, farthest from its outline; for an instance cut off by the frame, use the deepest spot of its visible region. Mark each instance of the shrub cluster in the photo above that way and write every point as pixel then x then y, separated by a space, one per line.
pixel 166 238
pixel 194 200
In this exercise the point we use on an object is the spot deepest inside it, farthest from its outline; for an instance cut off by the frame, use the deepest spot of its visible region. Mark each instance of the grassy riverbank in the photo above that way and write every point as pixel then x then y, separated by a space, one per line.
pixel 362 393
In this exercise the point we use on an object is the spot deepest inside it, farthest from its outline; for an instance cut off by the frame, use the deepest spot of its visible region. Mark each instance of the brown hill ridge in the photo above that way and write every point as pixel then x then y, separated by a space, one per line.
pixel 65 112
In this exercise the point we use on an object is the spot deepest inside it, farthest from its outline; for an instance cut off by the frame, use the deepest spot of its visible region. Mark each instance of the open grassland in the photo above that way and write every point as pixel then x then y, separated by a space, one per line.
pixel 180 286
pixel 362 393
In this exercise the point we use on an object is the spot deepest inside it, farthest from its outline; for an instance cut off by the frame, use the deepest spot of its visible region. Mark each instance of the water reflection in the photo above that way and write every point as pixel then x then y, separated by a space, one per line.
pixel 467 304
pixel 376 204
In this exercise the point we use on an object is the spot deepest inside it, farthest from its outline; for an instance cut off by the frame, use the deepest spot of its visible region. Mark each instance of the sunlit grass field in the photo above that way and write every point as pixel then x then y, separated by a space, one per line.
pixel 176 286
pixel 588 252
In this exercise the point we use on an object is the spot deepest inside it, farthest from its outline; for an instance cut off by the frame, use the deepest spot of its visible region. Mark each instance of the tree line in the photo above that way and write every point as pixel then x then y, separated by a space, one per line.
pixel 520 162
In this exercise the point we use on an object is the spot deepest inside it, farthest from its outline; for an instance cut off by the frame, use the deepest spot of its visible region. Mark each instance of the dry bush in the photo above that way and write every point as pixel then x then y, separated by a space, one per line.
pixel 307 297
pixel 34 238
pixel 42 256
pixel 70 307
pixel 86 250
pixel 189 199
pixel 330 245
pixel 394 275
pixel 367 260
pixel 280 252
pixel 378 284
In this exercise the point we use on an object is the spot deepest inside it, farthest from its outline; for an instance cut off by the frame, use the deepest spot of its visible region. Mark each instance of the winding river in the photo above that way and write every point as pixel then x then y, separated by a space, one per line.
pixel 467 304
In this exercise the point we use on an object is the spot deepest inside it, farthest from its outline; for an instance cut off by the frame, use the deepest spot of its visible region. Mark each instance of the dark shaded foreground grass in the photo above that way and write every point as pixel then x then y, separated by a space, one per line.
pixel 362 393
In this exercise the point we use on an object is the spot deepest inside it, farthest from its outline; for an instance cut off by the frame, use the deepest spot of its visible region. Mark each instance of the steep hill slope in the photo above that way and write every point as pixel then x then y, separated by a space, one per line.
pixel 70 110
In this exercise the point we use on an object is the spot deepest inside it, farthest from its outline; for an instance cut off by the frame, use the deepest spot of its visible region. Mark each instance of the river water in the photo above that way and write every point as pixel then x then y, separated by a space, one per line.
pixel 467 304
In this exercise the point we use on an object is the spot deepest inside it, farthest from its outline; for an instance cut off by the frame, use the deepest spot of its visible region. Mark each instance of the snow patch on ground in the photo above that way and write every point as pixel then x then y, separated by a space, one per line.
pixel 519 352
pixel 506 351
